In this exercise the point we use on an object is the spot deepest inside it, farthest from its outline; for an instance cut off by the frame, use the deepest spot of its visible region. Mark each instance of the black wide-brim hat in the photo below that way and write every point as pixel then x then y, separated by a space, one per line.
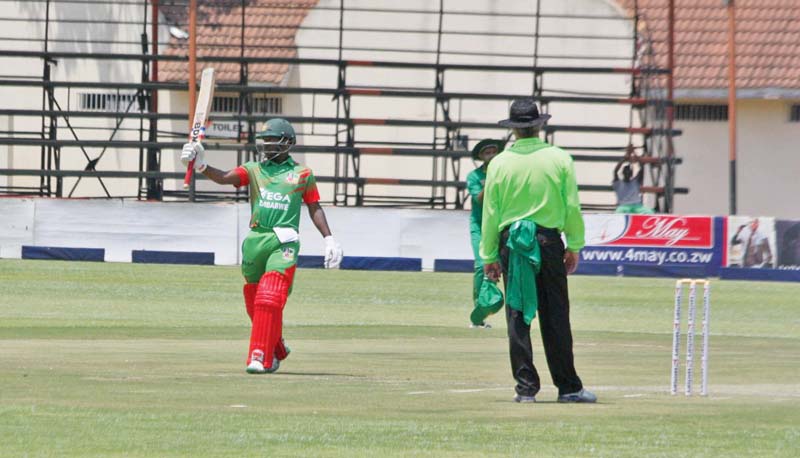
pixel 524 113
pixel 500 144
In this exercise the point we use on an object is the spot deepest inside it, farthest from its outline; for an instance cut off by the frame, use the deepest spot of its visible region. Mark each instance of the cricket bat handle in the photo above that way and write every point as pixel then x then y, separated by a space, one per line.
pixel 187 179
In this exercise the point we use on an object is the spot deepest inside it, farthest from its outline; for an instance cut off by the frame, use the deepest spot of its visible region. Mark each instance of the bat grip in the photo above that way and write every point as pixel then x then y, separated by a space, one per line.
pixel 187 179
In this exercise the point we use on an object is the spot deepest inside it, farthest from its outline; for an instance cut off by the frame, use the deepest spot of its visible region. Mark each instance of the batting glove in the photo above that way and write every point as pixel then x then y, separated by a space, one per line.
pixel 194 151
pixel 333 253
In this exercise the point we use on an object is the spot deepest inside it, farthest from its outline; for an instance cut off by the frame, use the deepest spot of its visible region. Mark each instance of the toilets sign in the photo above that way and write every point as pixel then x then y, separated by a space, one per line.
pixel 226 129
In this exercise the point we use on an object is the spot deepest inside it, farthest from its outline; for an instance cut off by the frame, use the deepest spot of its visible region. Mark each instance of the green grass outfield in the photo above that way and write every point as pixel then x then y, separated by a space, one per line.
pixel 113 360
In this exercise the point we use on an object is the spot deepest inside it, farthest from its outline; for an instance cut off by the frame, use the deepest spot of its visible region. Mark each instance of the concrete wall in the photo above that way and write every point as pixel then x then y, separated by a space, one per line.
pixel 122 226
pixel 768 162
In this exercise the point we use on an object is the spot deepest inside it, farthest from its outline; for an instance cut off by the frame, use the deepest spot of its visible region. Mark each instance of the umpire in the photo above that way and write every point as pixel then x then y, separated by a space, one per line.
pixel 531 197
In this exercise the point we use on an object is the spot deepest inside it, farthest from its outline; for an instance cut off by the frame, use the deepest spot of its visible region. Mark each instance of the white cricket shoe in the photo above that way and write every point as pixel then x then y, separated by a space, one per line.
pixel 256 365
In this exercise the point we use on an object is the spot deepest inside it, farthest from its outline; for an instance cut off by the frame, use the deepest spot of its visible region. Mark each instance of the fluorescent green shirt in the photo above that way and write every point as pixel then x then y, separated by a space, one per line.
pixel 531 180
pixel 475 182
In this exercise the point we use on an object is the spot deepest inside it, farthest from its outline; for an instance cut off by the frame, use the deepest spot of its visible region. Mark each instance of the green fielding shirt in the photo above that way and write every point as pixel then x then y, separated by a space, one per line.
pixel 475 182
pixel 535 181
pixel 277 192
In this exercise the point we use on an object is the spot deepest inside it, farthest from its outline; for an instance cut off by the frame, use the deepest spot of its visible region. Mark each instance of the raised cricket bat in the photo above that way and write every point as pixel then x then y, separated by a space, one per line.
pixel 202 107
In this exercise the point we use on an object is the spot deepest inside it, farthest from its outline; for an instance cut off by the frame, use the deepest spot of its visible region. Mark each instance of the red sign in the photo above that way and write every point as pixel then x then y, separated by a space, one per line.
pixel 667 231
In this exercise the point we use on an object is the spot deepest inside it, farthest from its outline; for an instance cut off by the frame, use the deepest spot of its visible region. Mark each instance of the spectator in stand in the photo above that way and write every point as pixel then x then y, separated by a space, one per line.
pixel 629 188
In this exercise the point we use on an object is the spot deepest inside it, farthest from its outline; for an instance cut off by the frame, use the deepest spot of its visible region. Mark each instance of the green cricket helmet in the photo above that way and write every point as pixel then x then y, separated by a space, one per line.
pixel 276 138
pixel 485 143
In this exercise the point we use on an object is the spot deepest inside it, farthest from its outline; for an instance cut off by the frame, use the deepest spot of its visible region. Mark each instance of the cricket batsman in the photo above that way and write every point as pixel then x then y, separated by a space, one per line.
pixel 278 186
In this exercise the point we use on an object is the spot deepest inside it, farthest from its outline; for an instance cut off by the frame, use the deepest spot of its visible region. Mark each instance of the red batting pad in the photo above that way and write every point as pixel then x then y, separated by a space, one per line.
pixel 262 335
pixel 249 291
pixel 270 298
pixel 274 335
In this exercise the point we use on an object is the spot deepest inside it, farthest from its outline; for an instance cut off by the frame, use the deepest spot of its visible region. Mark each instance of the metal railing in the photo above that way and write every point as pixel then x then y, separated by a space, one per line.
pixel 60 133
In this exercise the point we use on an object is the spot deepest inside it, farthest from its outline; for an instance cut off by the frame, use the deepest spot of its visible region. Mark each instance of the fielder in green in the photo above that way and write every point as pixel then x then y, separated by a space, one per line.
pixel 278 187
pixel 484 151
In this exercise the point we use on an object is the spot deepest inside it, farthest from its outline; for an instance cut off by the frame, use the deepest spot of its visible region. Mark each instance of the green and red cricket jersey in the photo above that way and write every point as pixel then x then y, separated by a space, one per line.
pixel 277 192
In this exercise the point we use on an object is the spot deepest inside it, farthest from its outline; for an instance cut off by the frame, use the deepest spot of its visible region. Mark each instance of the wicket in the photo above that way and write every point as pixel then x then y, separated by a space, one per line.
pixel 676 336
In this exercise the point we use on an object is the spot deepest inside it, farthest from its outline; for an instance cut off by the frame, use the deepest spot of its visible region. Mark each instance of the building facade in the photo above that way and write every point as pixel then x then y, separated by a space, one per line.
pixel 574 33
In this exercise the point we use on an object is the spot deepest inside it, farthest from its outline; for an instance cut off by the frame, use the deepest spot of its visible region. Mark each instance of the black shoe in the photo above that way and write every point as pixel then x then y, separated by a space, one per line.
pixel 582 396
pixel 524 399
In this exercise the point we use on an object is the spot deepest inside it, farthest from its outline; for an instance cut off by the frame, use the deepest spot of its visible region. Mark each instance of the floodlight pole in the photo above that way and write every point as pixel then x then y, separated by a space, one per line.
pixel 192 58
pixel 192 73
pixel 669 196
pixel 155 186
pixel 732 102
pixel 154 51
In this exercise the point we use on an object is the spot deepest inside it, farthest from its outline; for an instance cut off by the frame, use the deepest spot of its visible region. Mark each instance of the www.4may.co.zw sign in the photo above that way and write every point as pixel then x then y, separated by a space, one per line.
pixel 691 243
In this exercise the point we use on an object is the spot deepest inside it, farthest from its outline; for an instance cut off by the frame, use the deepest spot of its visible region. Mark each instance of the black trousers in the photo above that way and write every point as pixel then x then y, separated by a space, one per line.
pixel 553 317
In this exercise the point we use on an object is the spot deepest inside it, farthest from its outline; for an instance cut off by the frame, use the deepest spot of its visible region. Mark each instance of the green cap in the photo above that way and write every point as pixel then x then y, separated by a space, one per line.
pixel 279 128
pixel 500 144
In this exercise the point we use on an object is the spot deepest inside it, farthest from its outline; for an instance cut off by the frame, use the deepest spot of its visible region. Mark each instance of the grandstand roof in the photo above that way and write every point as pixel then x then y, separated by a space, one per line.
pixel 767 37
pixel 270 28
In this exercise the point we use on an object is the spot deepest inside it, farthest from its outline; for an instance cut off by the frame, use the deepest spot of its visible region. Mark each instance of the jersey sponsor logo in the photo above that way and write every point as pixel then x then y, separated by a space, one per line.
pixel 292 178
pixel 288 253
pixel 274 200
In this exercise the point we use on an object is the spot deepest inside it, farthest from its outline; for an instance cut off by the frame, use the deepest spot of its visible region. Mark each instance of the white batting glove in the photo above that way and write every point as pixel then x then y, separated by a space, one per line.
pixel 194 151
pixel 333 253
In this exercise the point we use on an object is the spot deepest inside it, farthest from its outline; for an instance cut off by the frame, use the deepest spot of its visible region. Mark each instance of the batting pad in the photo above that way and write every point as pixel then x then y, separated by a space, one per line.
pixel 270 298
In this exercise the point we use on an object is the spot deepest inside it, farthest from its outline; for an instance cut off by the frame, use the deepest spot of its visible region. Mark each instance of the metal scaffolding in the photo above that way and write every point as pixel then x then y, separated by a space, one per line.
pixel 136 108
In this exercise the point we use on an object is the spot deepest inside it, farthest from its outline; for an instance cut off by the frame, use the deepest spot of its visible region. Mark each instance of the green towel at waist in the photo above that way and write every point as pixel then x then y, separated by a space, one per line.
pixel 524 262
